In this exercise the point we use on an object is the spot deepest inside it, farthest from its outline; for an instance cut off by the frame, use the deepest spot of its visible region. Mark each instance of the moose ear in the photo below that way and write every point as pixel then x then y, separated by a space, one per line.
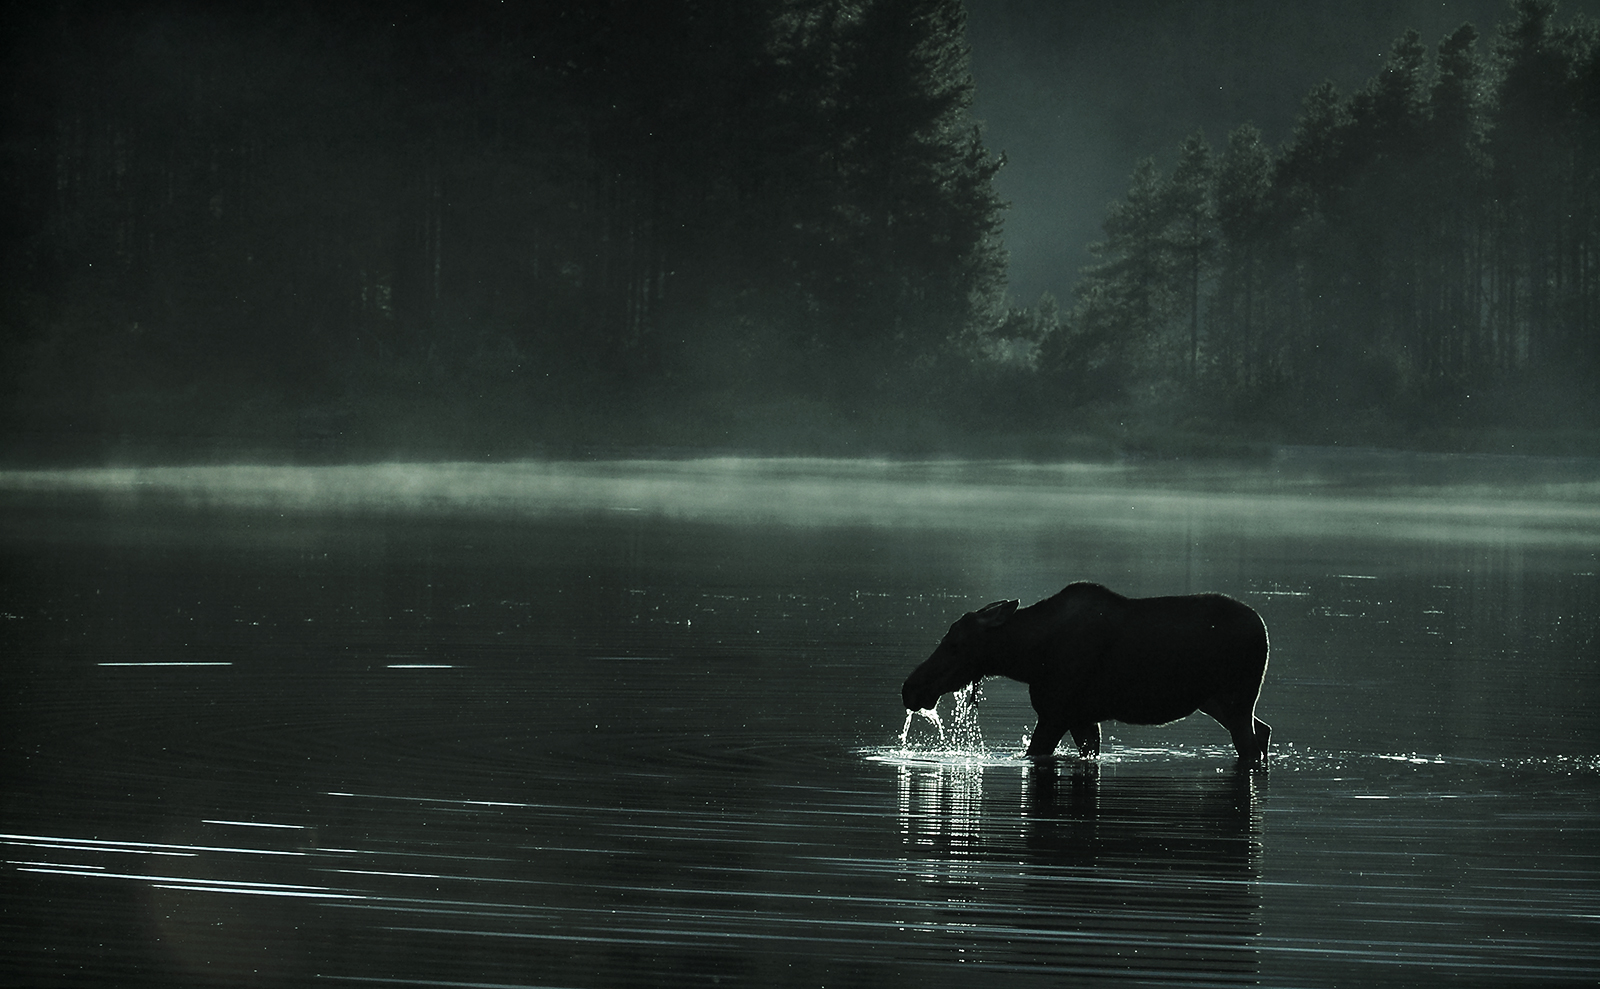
pixel 991 615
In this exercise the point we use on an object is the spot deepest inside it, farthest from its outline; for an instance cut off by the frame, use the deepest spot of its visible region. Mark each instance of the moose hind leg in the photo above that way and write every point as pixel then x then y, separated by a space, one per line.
pixel 1250 741
pixel 1045 736
pixel 1249 748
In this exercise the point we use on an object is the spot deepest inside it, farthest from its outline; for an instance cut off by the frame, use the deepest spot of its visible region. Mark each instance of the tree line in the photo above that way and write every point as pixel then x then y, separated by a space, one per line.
pixel 392 212
pixel 398 226
pixel 1429 238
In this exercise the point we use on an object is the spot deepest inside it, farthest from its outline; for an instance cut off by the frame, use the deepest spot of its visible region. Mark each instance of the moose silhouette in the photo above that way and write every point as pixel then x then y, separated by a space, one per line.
pixel 1090 655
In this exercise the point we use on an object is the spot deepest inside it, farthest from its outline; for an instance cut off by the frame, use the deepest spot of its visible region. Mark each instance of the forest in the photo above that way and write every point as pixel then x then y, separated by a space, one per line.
pixel 388 228
pixel 1420 256
pixel 422 227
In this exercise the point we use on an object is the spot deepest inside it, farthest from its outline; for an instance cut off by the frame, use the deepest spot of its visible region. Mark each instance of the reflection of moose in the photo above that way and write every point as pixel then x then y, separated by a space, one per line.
pixel 1090 655
pixel 1146 871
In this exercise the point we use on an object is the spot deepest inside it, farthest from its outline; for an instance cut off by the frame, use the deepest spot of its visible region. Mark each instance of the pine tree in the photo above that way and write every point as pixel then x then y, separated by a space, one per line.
pixel 916 217
pixel 1453 170
pixel 1585 280
pixel 1126 299
pixel 1384 221
pixel 1190 233
pixel 1531 144
pixel 1243 209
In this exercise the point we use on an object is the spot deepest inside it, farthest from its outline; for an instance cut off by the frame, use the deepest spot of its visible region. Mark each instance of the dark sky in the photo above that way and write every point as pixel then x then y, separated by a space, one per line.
pixel 1076 91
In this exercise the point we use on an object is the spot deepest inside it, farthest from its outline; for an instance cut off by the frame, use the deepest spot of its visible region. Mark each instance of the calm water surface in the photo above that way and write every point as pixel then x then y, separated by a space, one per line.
pixel 639 725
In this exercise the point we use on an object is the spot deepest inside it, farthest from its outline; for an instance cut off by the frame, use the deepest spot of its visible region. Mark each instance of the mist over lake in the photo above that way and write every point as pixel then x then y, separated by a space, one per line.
pixel 638 723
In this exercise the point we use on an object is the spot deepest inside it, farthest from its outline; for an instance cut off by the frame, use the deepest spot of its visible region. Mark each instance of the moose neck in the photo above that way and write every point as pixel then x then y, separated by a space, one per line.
pixel 1015 651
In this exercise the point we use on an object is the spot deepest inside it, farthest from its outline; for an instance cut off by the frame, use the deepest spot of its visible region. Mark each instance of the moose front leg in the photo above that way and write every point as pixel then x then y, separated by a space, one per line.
pixel 1088 739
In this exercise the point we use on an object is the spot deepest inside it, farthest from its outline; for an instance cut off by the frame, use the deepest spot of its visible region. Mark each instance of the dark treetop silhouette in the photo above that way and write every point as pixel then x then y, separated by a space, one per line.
pixel 1089 655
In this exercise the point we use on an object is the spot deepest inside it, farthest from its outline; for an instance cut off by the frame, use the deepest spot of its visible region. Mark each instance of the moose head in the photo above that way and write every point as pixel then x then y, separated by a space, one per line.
pixel 961 658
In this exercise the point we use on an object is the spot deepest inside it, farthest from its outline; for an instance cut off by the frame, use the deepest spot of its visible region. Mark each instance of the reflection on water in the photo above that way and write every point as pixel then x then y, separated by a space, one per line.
pixel 1150 877
pixel 419 746
pixel 941 809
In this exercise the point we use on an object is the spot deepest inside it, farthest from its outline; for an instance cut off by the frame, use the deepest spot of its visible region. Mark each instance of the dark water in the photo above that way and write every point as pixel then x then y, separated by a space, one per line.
pixel 650 736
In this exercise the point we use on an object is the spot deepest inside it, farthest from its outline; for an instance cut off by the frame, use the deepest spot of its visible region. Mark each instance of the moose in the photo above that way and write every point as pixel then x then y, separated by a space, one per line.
pixel 1090 655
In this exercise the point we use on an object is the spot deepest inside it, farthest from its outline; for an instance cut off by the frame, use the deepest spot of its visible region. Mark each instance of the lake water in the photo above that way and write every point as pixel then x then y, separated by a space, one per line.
pixel 638 724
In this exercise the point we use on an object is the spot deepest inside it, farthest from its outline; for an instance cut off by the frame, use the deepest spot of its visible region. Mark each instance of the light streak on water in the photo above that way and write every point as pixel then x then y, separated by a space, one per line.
pixel 256 824
pixel 440 983
pixel 174 663
pixel 98 844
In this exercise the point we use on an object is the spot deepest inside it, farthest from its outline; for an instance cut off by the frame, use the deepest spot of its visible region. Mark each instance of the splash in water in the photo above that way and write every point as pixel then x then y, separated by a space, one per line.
pixel 931 713
pixel 964 734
